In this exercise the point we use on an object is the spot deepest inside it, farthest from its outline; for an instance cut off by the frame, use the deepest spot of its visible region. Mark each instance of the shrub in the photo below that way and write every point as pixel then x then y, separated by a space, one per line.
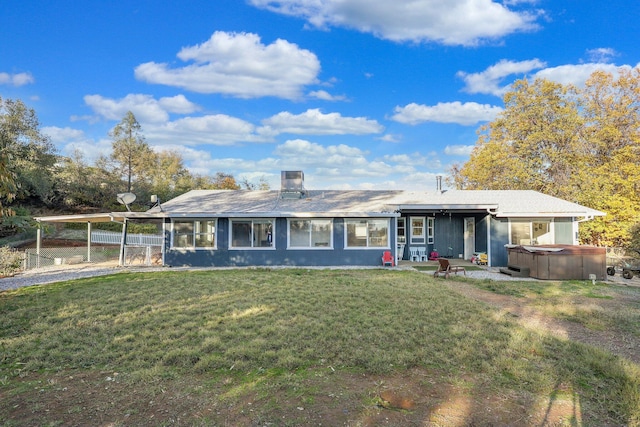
pixel 10 261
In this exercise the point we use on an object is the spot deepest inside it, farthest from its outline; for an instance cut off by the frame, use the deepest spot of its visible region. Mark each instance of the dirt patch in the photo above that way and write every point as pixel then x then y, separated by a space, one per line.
pixel 415 398
pixel 519 309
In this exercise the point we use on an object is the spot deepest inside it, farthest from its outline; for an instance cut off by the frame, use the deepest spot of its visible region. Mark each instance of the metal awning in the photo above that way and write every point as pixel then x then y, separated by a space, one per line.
pixel 100 217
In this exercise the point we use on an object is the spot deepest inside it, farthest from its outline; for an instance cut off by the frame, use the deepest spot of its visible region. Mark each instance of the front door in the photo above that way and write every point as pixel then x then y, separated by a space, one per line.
pixel 469 237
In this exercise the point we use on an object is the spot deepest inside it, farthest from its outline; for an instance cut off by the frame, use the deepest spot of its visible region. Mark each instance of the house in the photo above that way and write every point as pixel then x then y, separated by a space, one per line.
pixel 293 226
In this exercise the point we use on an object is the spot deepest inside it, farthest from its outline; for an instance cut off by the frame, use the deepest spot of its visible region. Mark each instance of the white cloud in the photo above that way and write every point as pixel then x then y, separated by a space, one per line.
pixel 66 134
pixel 458 150
pixel 490 81
pixel 216 129
pixel 601 54
pixel 454 22
pixel 17 80
pixel 577 74
pixel 69 140
pixel 326 96
pixel 390 138
pixel 238 64
pixel 465 114
pixel 145 107
pixel 314 122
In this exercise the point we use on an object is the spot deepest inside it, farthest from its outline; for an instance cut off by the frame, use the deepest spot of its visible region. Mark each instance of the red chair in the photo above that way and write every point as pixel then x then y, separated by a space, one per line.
pixel 433 256
pixel 387 259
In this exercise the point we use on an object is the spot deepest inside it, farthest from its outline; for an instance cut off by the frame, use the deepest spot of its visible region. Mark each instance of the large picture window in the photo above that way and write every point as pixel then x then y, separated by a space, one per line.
pixel 252 233
pixel 310 233
pixel 194 234
pixel 531 232
pixel 367 233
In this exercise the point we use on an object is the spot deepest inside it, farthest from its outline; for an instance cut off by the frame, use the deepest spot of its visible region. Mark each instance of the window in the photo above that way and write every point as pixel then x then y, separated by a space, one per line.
pixel 310 233
pixel 401 230
pixel 417 229
pixel 527 232
pixel 252 233
pixel 194 234
pixel 367 233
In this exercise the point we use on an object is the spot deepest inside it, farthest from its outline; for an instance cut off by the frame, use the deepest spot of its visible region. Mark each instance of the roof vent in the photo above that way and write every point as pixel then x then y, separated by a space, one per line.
pixel 292 184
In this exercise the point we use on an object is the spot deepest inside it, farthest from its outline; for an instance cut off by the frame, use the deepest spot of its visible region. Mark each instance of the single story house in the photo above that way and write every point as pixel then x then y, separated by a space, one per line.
pixel 293 226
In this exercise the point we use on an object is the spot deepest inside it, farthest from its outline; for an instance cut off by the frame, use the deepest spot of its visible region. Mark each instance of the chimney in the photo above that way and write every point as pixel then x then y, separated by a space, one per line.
pixel 439 183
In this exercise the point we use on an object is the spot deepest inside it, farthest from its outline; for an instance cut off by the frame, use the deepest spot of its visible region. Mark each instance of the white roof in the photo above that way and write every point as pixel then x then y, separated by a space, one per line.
pixel 502 203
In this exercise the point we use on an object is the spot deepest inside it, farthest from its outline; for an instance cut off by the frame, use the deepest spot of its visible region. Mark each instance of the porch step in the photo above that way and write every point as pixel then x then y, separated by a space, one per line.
pixel 515 271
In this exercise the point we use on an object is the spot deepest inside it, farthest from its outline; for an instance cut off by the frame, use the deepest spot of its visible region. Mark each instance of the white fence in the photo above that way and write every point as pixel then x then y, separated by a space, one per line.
pixel 114 238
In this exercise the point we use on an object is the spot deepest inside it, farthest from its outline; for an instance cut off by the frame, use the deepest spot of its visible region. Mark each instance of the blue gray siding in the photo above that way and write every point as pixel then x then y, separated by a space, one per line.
pixel 278 255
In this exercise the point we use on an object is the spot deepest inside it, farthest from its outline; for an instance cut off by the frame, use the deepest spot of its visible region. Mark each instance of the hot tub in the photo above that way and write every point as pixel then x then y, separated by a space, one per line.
pixel 560 262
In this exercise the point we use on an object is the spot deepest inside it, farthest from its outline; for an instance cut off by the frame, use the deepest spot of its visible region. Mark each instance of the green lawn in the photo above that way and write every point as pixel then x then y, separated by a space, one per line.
pixel 287 347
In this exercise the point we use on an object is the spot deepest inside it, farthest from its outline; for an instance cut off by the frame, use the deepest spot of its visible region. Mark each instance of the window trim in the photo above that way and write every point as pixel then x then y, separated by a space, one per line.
pixel 431 227
pixel 192 221
pixel 418 239
pixel 311 220
pixel 402 220
pixel 272 221
pixel 367 247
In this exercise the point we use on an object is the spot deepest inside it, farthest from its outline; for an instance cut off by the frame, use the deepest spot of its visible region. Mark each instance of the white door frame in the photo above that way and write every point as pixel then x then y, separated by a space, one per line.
pixel 469 237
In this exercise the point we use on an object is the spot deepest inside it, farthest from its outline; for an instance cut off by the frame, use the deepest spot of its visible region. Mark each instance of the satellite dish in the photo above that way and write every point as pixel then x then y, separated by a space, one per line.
pixel 126 199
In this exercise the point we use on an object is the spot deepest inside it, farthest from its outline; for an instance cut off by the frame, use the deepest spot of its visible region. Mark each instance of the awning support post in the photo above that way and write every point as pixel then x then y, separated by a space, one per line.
pixel 38 243
pixel 123 242
pixel 89 241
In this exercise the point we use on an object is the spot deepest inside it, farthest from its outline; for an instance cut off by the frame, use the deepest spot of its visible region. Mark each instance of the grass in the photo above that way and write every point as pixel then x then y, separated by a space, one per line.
pixel 579 301
pixel 217 341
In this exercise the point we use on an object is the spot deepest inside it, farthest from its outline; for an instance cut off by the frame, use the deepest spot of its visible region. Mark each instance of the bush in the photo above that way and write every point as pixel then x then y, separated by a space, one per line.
pixel 10 261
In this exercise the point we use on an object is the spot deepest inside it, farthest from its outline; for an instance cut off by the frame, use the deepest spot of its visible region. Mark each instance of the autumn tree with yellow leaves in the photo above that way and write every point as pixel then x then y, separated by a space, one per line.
pixel 579 144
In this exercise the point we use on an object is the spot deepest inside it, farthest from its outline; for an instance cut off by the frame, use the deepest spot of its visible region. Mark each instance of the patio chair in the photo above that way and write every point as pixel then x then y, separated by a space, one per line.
pixel 445 268
pixel 400 252
pixel 387 259
pixel 422 254
pixel 434 255
pixel 413 254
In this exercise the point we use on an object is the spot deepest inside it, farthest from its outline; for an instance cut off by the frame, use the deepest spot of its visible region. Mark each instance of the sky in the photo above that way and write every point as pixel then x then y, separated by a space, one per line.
pixel 358 94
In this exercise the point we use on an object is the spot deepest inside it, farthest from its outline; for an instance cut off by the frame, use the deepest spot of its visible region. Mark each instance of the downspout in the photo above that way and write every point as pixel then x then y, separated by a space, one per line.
pixel 489 240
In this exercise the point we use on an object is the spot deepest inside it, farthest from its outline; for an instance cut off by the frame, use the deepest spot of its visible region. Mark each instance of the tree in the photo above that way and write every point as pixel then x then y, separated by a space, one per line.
pixel 582 145
pixel 533 144
pixel 27 157
pixel 169 176
pixel 261 185
pixel 84 186
pixel 221 181
pixel 131 153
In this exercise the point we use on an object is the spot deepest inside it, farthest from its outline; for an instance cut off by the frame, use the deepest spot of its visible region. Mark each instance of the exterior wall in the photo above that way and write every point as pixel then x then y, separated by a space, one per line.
pixel 278 255
pixel 481 233
pixel 563 234
pixel 499 238
pixel 449 235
